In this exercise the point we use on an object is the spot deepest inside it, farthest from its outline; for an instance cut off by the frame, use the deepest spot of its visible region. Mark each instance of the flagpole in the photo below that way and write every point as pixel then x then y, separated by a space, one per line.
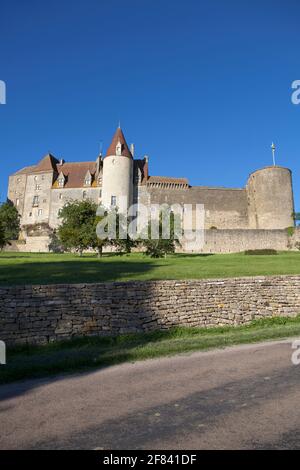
pixel 273 153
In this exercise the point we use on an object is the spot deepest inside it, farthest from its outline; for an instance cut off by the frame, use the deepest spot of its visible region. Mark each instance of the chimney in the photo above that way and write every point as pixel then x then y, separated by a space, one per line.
pixel 132 149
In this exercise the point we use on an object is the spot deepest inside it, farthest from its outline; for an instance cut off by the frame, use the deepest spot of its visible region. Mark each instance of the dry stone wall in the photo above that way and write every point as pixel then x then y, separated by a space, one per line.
pixel 41 314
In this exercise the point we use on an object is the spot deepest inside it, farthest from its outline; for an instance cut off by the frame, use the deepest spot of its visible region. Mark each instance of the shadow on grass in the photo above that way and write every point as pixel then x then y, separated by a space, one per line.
pixel 85 270
pixel 193 255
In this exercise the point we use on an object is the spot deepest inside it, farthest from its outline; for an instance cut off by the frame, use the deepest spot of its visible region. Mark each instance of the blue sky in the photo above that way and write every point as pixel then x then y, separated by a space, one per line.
pixel 202 87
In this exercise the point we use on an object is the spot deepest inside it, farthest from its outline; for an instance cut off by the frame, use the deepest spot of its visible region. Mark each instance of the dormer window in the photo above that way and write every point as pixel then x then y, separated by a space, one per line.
pixel 61 180
pixel 88 179
pixel 119 148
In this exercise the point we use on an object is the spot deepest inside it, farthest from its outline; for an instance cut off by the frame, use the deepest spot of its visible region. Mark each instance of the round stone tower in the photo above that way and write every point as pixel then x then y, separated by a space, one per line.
pixel 117 183
pixel 270 198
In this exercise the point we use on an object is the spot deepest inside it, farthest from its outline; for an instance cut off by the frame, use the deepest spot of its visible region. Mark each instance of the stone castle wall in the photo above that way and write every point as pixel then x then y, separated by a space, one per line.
pixel 235 241
pixel 40 314
pixel 224 208
pixel 215 241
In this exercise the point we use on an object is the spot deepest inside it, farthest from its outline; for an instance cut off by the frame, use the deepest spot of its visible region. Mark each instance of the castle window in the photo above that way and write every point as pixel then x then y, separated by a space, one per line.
pixel 37 187
pixel 18 180
pixel 35 201
pixel 100 193
pixel 40 212
pixel 60 196
pixel 35 178
pixel 118 149
pixel 61 182
pixel 44 201
pixel 113 200
pixel 17 202
pixel 30 214
pixel 84 195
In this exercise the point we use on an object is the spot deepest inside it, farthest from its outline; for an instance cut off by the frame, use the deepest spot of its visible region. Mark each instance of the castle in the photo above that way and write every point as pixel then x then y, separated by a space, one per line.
pixel 255 216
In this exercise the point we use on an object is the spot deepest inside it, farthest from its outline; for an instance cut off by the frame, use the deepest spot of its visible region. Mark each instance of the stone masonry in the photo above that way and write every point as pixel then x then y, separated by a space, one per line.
pixel 41 314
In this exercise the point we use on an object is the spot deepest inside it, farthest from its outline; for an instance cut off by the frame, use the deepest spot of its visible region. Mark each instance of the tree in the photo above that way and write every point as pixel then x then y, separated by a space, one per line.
pixel 10 222
pixel 98 243
pixel 2 236
pixel 55 245
pixel 123 245
pixel 160 247
pixel 78 228
pixel 75 231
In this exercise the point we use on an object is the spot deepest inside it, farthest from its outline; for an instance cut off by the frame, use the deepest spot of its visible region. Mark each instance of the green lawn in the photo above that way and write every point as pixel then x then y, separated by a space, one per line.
pixel 31 268
pixel 94 352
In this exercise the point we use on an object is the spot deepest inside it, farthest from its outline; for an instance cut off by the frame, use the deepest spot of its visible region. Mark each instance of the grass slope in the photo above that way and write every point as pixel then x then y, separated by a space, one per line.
pixel 29 268
pixel 90 353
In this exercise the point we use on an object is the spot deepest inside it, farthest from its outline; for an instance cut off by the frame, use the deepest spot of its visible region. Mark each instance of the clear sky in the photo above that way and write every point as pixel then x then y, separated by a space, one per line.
pixel 201 86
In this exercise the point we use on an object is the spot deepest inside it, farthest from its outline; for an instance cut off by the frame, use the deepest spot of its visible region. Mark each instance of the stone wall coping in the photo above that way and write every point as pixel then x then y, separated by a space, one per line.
pixel 154 282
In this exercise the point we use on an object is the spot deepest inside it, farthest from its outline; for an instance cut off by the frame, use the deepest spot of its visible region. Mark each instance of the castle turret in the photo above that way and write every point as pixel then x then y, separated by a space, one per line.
pixel 270 198
pixel 117 186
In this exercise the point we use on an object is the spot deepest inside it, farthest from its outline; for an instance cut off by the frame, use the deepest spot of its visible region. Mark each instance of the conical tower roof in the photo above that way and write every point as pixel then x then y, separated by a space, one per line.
pixel 119 137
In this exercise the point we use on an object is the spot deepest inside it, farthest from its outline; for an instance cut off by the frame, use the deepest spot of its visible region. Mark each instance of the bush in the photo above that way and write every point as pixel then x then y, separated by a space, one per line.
pixel 55 245
pixel 290 231
pixel 263 251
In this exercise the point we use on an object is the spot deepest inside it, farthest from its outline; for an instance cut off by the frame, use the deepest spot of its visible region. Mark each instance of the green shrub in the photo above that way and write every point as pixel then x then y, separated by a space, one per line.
pixel 264 251
pixel 290 231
